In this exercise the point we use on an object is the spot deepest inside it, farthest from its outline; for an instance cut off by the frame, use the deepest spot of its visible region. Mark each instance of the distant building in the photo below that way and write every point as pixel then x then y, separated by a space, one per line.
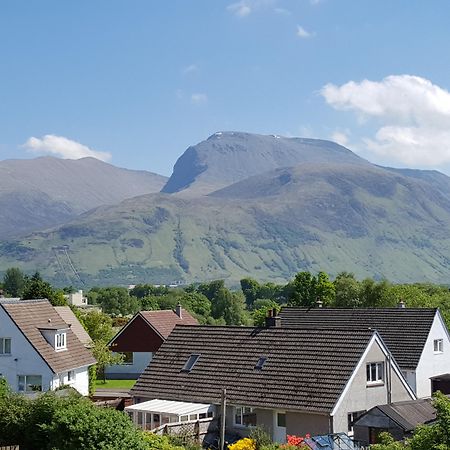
pixel 77 299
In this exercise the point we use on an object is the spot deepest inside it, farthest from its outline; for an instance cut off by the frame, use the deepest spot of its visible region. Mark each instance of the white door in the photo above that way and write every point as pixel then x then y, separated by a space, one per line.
pixel 279 426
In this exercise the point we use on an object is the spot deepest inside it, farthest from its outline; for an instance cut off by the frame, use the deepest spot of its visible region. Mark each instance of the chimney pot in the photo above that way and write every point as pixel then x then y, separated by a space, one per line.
pixel 401 304
pixel 178 310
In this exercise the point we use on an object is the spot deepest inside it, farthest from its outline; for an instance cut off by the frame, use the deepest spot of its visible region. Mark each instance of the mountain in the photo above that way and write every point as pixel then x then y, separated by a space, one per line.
pixel 330 216
pixel 47 191
pixel 227 157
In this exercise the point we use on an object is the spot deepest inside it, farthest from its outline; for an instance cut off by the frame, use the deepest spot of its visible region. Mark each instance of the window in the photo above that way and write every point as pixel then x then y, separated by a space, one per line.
pixel 260 363
pixel 70 376
pixel 29 383
pixel 184 418
pixel 351 417
pixel 190 363
pixel 281 420
pixel 60 341
pixel 438 345
pixel 127 358
pixel 5 346
pixel 375 372
pixel 245 416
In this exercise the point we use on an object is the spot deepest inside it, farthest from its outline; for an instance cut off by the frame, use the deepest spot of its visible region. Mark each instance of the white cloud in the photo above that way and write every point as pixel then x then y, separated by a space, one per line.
pixel 412 113
pixel 199 98
pixel 189 69
pixel 340 137
pixel 63 148
pixel 302 33
pixel 240 9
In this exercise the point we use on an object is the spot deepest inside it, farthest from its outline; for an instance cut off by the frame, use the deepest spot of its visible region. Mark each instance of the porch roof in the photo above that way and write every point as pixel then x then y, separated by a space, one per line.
pixel 169 407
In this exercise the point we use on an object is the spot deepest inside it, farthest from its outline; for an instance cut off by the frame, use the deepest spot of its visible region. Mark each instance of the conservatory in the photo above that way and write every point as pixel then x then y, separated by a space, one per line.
pixel 152 414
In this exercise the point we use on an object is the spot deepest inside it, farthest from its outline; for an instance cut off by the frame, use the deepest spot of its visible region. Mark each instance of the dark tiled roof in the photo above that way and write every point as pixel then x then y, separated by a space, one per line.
pixel 164 321
pixel 32 315
pixel 305 369
pixel 407 414
pixel 404 330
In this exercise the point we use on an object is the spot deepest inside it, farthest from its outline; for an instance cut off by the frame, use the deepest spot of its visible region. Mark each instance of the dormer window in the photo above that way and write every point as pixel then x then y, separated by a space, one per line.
pixel 60 341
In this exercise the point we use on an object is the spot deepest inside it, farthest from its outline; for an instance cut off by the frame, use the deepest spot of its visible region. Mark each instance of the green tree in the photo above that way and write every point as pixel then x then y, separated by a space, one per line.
pixel 197 304
pixel 98 325
pixel 373 294
pixel 259 315
pixel 346 291
pixel 307 289
pixel 105 357
pixel 210 290
pixel 36 287
pixel 234 311
pixel 14 282
pixel 251 289
pixel 117 301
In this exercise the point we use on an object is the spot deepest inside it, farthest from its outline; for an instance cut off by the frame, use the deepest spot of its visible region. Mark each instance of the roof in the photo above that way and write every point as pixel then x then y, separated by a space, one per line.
pixel 406 415
pixel 70 318
pixel 31 315
pixel 305 369
pixel 168 407
pixel 404 330
pixel 164 321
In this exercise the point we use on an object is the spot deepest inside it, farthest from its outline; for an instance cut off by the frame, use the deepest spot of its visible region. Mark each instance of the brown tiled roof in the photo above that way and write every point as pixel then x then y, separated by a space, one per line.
pixel 70 318
pixel 164 321
pixel 30 316
pixel 305 369
pixel 404 330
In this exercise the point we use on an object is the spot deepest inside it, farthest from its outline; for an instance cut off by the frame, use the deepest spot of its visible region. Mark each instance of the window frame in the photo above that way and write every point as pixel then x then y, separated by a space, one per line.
pixel 25 383
pixel 241 412
pixel 439 348
pixel 61 341
pixel 3 341
pixel 128 358
pixel 351 417
pixel 191 362
pixel 377 380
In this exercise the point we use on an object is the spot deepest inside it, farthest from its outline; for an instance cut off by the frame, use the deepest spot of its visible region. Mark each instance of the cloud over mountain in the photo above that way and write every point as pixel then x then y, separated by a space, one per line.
pixel 412 113
pixel 63 147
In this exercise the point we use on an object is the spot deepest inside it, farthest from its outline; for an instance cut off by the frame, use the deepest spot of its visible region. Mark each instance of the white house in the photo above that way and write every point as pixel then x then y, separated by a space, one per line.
pixel 417 337
pixel 288 381
pixel 38 350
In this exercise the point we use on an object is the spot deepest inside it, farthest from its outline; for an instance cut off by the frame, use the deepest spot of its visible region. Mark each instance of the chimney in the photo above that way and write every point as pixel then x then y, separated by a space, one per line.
pixel 178 310
pixel 272 319
pixel 402 304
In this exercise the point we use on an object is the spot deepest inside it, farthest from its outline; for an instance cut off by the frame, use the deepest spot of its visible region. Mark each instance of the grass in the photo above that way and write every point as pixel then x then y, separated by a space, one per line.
pixel 115 384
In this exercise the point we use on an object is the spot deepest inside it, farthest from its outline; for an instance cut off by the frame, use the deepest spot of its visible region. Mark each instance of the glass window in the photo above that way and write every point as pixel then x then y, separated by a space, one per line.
pixel 281 420
pixel 5 346
pixel 184 418
pixel 190 363
pixel 140 417
pixel 70 375
pixel 260 363
pixel 60 341
pixel 438 345
pixel 375 372
pixel 193 417
pixel 29 383
pixel 351 417
pixel 127 358
pixel 244 416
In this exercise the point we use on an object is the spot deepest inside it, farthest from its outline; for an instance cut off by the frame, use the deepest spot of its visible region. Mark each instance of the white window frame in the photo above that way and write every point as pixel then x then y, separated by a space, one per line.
pixel 240 411
pixel 351 417
pixel 438 345
pixel 379 373
pixel 3 341
pixel 61 341
pixel 25 383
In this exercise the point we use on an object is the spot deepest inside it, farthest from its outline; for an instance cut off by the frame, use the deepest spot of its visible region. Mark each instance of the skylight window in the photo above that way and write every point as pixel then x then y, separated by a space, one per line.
pixel 261 362
pixel 190 363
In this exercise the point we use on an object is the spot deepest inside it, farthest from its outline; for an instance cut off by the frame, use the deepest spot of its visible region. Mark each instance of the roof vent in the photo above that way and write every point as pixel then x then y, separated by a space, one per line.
pixel 49 321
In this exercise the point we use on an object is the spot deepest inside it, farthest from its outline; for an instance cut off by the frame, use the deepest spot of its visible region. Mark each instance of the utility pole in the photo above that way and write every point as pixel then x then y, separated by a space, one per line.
pixel 223 411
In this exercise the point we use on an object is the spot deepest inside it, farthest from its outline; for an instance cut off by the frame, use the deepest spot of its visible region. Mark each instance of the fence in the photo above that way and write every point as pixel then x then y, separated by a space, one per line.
pixel 187 432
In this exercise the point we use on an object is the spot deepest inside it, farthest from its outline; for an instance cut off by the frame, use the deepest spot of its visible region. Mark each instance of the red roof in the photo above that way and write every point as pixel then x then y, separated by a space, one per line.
pixel 164 321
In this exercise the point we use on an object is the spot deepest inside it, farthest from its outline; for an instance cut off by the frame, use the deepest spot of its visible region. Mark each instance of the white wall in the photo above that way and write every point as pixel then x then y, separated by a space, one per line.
pixel 24 360
pixel 361 397
pixel 80 381
pixel 132 371
pixel 432 364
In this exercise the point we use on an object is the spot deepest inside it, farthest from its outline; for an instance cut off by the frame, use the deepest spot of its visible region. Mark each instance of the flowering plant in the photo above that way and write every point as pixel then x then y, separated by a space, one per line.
pixel 296 441
pixel 243 444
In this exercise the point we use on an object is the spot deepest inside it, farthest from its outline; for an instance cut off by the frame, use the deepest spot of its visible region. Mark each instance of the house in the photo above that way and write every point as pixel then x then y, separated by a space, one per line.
pixel 141 337
pixel 417 337
pixel 288 381
pixel 77 299
pixel 399 419
pixel 38 349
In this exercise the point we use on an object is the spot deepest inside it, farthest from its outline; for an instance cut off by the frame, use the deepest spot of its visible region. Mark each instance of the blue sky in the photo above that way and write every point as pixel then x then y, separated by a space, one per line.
pixel 136 82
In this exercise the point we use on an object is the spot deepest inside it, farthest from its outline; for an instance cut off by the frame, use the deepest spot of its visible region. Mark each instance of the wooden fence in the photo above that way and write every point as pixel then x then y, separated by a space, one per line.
pixel 195 431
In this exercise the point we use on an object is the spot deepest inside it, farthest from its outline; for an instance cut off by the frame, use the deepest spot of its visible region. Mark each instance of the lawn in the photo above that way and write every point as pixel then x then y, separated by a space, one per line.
pixel 115 384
